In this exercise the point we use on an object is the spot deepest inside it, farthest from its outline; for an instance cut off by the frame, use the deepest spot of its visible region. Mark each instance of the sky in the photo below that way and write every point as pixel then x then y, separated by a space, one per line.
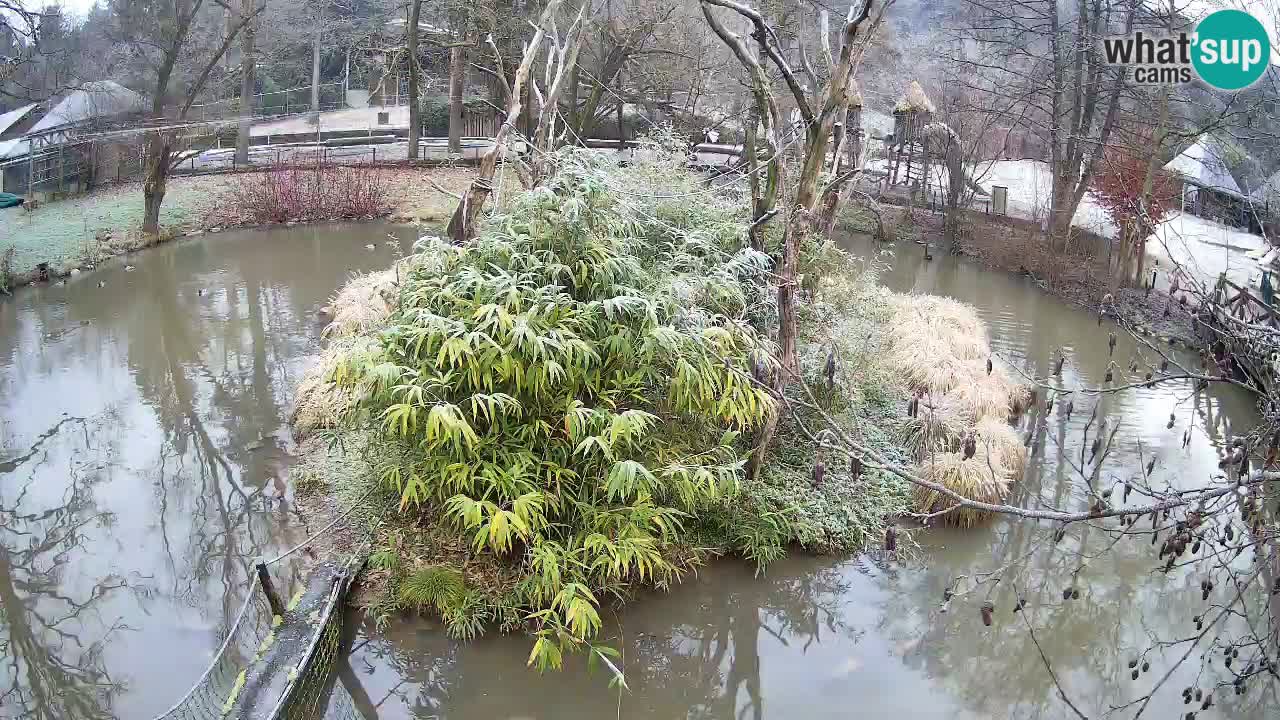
pixel 1268 11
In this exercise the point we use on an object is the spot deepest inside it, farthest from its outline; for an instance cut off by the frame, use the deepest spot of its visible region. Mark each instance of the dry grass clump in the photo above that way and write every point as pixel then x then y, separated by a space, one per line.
pixel 366 301
pixel 995 395
pixel 320 403
pixel 940 347
pixel 914 100
pixel 1000 439
pixel 936 342
pixel 360 307
pixel 363 303
pixel 980 478
pixel 936 428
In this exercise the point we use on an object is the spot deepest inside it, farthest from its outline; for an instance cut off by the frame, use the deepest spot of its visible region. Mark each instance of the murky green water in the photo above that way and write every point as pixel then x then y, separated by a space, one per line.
pixel 144 458
pixel 143 464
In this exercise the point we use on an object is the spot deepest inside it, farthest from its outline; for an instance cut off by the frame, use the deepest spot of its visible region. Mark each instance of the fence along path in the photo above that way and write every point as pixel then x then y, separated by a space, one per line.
pixel 278 659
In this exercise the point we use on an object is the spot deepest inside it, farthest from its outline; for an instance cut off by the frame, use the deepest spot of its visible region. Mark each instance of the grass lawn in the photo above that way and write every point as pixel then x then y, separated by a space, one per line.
pixel 68 232
pixel 80 230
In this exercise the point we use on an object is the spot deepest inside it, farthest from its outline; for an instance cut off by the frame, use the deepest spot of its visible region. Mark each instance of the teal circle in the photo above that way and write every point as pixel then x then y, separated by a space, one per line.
pixel 1225 41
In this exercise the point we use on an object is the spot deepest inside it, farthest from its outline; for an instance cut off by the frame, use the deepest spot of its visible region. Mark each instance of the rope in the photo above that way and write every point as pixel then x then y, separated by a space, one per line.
pixel 324 529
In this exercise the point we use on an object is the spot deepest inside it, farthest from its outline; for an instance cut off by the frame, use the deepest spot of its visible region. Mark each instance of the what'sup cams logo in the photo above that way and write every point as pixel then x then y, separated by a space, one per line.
pixel 1229 50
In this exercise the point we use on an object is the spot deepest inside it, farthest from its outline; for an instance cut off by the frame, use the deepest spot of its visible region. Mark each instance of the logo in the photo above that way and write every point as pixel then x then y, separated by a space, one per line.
pixel 1229 50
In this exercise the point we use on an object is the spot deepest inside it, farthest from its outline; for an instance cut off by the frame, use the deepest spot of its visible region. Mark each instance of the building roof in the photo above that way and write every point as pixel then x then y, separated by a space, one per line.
pixel 16 147
pixel 914 100
pixel 1202 165
pixel 13 117
pixel 103 98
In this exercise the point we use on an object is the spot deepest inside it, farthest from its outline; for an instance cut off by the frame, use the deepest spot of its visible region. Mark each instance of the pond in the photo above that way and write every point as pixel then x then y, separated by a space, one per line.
pixel 841 637
pixel 144 454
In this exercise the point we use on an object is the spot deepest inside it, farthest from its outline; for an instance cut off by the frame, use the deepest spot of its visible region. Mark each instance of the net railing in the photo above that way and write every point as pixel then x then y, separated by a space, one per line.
pixel 306 697
pixel 213 694
pixel 245 676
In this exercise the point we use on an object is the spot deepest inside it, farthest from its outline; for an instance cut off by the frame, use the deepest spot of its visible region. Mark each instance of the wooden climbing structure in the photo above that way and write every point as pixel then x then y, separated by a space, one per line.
pixel 905 150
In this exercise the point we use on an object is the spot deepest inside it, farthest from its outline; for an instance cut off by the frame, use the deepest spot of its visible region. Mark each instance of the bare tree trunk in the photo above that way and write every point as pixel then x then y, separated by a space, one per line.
pixel 315 74
pixel 158 152
pixel 799 227
pixel 756 233
pixel 248 65
pixel 835 101
pixel 457 64
pixel 415 120
pixel 1148 181
pixel 155 182
pixel 765 110
pixel 622 132
pixel 462 223
pixel 561 59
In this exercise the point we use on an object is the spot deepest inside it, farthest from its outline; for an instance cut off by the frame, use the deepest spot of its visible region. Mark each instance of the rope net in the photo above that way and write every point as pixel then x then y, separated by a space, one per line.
pixel 310 696
pixel 277 664
pixel 214 694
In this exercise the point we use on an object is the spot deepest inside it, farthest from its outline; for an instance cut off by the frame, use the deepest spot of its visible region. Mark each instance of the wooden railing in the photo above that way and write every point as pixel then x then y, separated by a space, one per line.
pixel 1240 303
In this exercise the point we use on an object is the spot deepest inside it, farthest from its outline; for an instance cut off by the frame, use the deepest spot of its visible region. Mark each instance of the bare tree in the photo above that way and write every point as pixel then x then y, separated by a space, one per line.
pixel 178 42
pixel 248 65
pixel 457 76
pixel 317 37
pixel 19 42
pixel 819 115
pixel 1047 56
pixel 415 76
pixel 561 55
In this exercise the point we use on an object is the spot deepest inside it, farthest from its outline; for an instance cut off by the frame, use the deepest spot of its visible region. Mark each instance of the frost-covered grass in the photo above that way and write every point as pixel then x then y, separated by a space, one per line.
pixel 65 233
pixel 69 233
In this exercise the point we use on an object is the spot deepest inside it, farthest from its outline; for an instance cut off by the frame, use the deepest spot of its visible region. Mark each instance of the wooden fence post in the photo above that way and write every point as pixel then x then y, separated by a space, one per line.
pixel 269 589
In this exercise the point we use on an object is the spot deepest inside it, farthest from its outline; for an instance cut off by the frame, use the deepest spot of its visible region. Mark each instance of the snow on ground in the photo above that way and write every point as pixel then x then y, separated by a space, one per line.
pixel 1204 248
pixel 365 118
pixel 1030 185
pixel 1207 249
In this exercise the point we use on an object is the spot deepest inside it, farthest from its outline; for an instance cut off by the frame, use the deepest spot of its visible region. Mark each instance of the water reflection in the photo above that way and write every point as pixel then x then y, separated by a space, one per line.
pixel 726 644
pixel 834 637
pixel 144 454
pixel 59 674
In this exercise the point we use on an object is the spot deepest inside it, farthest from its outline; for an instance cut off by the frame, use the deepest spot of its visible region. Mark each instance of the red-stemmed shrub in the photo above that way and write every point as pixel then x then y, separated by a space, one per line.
pixel 306 193
pixel 1117 185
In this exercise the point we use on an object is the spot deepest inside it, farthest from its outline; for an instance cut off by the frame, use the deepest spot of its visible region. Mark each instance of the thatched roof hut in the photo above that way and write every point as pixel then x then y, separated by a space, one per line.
pixel 913 111
pixel 914 100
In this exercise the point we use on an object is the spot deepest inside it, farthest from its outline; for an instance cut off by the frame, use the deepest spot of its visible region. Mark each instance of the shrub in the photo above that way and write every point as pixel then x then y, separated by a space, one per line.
pixel 561 408
pixel 306 193
pixel 1118 183
pixel 567 392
